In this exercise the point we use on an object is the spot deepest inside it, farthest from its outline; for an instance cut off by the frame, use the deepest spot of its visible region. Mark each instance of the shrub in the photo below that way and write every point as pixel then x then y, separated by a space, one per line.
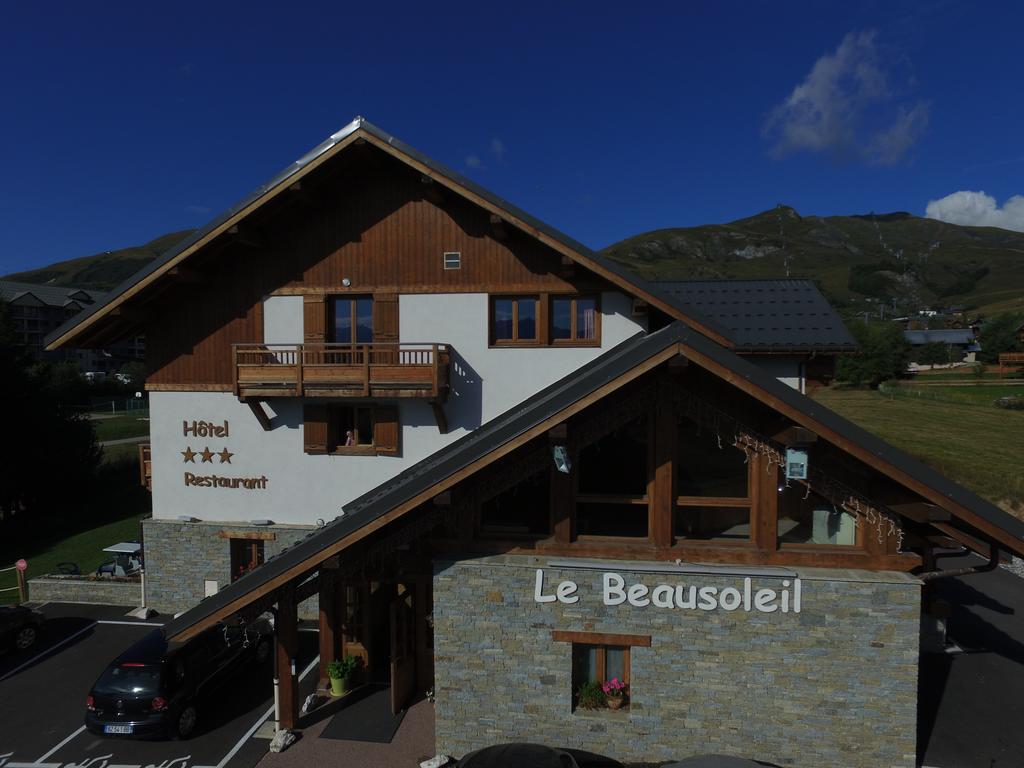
pixel 884 354
pixel 590 696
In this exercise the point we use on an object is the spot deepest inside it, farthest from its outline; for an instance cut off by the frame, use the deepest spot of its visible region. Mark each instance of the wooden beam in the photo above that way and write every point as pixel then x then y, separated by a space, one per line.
pixel 600 638
pixel 247 235
pixel 439 416
pixel 286 632
pixel 328 620
pixel 431 191
pixel 300 192
pixel 662 492
pixel 921 511
pixel 498 230
pixel 185 275
pixel 249 535
pixel 793 436
pixel 130 314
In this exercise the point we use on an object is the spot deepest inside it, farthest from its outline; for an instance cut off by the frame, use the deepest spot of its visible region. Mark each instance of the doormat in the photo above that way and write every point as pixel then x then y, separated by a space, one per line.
pixel 365 715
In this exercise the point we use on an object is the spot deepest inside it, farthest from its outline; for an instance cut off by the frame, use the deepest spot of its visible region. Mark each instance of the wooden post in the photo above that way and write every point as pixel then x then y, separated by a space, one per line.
pixel 661 489
pixel 562 488
pixel 764 504
pixel 287 649
pixel 22 586
pixel 328 620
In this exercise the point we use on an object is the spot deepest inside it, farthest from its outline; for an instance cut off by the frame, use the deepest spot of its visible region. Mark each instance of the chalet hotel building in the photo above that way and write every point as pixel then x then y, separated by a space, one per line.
pixel 496 465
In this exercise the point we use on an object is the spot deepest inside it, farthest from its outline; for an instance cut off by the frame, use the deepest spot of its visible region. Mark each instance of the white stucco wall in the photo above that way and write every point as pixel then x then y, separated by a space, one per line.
pixel 282 320
pixel 788 370
pixel 302 488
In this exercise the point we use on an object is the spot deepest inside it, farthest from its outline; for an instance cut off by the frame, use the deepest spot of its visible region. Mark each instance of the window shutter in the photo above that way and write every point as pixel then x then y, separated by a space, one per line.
pixel 385 430
pixel 314 318
pixel 385 317
pixel 314 429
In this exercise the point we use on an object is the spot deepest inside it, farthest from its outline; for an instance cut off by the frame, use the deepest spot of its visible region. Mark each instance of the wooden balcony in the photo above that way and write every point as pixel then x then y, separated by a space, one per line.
pixel 342 370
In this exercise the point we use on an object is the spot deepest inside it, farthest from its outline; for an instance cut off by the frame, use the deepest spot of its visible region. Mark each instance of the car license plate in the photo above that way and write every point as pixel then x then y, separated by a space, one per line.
pixel 127 729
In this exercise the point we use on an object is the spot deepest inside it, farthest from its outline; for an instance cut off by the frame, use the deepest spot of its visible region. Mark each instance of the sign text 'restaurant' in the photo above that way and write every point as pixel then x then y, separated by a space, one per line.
pixel 679 596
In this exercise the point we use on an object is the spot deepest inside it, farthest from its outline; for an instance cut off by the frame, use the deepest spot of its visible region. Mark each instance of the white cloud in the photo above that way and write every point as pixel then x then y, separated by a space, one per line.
pixel 889 146
pixel 498 149
pixel 976 209
pixel 474 161
pixel 834 108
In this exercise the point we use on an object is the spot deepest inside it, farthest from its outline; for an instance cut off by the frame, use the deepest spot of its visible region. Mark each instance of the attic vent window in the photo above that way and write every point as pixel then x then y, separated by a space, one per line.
pixel 453 260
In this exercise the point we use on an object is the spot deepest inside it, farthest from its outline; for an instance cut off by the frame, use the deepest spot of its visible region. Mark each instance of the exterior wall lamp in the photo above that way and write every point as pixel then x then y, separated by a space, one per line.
pixel 562 461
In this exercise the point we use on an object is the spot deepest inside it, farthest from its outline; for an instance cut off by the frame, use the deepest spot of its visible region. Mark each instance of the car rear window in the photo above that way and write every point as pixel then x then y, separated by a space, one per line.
pixel 132 679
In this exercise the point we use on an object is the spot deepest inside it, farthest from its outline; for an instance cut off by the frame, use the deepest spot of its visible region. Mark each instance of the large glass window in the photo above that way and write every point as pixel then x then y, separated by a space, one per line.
pixel 611 495
pixel 514 319
pixel 809 518
pixel 712 485
pixel 352 320
pixel 350 428
pixel 523 510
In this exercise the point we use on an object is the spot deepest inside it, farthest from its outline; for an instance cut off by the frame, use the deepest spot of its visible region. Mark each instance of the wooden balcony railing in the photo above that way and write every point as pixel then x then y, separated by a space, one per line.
pixel 342 370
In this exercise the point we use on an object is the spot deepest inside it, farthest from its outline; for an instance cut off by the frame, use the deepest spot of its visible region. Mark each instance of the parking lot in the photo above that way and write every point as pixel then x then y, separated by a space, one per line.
pixel 43 692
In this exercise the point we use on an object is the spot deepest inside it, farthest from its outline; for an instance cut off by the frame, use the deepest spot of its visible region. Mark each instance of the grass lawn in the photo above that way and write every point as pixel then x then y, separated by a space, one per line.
pixel 108 513
pixel 118 427
pixel 978 446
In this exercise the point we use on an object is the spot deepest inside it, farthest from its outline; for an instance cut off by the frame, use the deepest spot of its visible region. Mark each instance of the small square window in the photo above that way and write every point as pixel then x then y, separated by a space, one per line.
pixel 453 260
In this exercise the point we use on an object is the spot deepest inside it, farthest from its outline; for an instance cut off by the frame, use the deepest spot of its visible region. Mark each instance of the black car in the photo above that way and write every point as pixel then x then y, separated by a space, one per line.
pixel 20 627
pixel 154 690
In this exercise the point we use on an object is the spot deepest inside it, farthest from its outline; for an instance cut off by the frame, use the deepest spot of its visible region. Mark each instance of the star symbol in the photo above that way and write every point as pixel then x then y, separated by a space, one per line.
pixel 207 455
pixel 189 455
pixel 225 456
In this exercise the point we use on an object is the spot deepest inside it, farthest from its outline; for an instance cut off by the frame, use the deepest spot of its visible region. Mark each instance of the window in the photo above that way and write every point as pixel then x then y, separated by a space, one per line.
pixel 351 426
pixel 453 260
pixel 712 486
pixel 246 554
pixel 352 320
pixel 599 658
pixel 611 497
pixel 574 319
pixel 365 429
pixel 808 518
pixel 523 510
pixel 514 319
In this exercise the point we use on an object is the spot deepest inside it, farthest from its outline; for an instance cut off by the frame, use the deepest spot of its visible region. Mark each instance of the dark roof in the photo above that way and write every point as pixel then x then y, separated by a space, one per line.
pixel 766 315
pixel 941 336
pixel 50 295
pixel 357 124
pixel 551 401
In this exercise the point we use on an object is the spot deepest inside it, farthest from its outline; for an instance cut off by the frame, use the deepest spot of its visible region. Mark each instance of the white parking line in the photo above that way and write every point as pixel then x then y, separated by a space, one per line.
pixel 48 651
pixel 69 738
pixel 131 623
pixel 258 723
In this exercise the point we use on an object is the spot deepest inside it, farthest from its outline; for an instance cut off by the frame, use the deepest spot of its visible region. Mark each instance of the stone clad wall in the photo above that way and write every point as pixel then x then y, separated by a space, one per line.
pixel 78 590
pixel 835 685
pixel 181 556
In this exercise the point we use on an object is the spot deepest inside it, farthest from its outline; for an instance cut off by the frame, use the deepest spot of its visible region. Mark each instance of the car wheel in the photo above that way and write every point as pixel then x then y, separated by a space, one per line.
pixel 263 650
pixel 185 724
pixel 26 637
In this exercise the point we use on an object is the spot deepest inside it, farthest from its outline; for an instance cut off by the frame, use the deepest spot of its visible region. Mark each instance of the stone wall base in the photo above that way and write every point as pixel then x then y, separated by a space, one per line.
pixel 59 590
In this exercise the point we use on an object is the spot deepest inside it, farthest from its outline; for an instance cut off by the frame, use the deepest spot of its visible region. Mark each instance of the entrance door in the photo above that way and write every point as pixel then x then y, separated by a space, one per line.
pixel 403 648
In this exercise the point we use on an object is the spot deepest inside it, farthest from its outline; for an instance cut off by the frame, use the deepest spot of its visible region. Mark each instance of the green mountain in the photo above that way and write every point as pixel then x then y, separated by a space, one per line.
pixel 101 271
pixel 859 261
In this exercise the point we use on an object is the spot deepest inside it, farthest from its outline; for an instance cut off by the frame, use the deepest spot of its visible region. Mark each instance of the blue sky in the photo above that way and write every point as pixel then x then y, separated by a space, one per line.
pixel 123 121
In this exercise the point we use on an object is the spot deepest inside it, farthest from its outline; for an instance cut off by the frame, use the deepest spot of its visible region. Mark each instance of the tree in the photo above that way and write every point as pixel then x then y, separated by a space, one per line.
pixel 999 334
pixel 933 353
pixel 884 354
pixel 50 456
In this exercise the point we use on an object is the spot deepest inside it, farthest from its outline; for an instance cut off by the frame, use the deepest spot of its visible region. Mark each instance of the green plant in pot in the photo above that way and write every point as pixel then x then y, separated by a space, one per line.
pixel 340 673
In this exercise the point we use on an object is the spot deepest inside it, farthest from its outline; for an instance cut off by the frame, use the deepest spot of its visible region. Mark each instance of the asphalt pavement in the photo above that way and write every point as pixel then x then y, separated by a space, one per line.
pixel 42 701
pixel 971 704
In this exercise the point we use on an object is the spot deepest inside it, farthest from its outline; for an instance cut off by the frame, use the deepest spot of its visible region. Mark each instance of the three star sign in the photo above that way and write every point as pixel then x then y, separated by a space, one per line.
pixel 206 455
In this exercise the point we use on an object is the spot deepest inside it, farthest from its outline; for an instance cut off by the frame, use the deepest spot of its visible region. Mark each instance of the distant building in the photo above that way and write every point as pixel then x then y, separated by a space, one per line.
pixel 962 339
pixel 35 310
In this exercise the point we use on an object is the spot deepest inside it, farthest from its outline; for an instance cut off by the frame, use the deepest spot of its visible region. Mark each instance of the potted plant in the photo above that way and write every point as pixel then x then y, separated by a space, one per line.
pixel 590 696
pixel 615 693
pixel 340 673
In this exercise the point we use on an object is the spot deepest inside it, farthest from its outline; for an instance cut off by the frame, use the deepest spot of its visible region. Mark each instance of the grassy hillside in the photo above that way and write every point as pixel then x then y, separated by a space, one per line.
pixel 860 261
pixel 101 271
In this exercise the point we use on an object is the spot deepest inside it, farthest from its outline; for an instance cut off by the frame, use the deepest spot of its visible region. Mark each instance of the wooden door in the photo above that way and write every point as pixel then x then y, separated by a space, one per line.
pixel 403 648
